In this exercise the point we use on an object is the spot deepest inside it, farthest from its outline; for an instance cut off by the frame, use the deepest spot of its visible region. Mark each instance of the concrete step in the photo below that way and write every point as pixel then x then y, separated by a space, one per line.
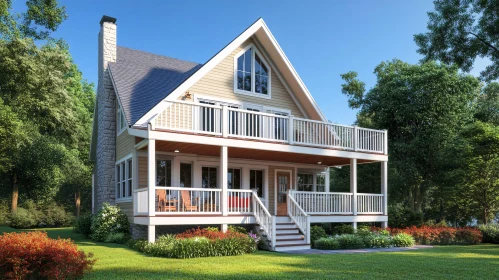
pixel 287 231
pixel 283 248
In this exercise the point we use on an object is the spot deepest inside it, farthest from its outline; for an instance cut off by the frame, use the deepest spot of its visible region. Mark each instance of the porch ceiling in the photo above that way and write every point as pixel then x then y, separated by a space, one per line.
pixel 242 153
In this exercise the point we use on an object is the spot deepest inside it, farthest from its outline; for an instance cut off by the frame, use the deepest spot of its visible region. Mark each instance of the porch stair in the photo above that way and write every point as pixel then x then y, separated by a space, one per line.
pixel 288 236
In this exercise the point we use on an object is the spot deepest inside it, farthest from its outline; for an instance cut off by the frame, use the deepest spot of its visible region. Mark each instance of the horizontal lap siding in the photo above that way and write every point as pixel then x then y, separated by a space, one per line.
pixel 125 145
pixel 142 172
pixel 127 208
pixel 219 82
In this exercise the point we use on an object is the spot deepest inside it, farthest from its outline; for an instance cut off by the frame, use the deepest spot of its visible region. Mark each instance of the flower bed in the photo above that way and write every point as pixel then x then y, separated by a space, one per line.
pixel 438 235
pixel 33 255
pixel 364 239
pixel 195 243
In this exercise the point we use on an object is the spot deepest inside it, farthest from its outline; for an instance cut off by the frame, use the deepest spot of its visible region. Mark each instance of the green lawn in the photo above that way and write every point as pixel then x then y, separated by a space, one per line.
pixel 456 262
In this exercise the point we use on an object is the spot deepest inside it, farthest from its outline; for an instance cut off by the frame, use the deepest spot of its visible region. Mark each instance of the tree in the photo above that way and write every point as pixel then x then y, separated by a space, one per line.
pixel 459 31
pixel 488 104
pixel 422 106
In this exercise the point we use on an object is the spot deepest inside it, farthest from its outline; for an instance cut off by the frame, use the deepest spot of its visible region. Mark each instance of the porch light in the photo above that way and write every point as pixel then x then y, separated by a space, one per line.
pixel 176 151
pixel 319 162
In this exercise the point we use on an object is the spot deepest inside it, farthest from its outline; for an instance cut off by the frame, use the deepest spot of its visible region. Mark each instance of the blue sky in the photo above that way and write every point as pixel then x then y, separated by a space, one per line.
pixel 322 39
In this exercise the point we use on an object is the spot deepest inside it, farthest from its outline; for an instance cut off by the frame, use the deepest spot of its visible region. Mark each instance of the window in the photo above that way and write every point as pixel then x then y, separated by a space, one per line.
pixel 234 178
pixel 124 180
pixel 305 182
pixel 185 175
pixel 252 75
pixel 120 120
pixel 163 173
pixel 256 181
pixel 321 182
pixel 209 177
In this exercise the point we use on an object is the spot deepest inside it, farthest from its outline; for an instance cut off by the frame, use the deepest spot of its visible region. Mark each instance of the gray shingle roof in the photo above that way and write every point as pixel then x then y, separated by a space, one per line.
pixel 143 79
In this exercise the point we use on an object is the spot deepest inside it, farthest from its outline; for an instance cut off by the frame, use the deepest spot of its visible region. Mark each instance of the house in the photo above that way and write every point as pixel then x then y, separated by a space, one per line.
pixel 236 140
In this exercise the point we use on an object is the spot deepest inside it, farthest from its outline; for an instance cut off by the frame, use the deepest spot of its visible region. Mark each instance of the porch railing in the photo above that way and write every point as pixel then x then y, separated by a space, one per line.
pixel 324 202
pixel 299 216
pixel 174 200
pixel 237 123
pixel 266 221
pixel 141 201
pixel 368 203
pixel 239 201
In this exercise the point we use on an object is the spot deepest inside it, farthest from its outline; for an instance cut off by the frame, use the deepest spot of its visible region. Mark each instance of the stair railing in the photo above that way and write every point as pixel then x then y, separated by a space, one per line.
pixel 299 217
pixel 264 219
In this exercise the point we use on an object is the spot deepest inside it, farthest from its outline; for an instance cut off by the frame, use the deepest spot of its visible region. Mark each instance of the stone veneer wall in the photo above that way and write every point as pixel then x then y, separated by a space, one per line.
pixel 106 117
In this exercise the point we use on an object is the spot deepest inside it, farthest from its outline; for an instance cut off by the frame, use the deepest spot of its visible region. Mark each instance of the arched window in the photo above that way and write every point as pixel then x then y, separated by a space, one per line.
pixel 252 75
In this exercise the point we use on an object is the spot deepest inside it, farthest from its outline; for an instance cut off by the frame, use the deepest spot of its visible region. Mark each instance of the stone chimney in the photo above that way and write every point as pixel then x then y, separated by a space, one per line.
pixel 106 114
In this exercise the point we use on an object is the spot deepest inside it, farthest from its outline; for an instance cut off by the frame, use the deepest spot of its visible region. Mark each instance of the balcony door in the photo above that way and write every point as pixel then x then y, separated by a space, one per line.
pixel 283 184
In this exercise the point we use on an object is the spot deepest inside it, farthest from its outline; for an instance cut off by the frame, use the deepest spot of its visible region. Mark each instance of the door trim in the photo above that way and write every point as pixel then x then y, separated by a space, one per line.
pixel 275 184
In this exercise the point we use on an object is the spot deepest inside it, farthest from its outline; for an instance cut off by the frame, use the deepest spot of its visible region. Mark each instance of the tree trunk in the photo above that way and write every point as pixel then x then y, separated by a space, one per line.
pixel 15 192
pixel 78 200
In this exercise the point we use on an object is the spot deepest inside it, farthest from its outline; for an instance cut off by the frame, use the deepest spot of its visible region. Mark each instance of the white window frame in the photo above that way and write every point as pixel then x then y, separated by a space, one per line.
pixel 119 116
pixel 252 92
pixel 128 180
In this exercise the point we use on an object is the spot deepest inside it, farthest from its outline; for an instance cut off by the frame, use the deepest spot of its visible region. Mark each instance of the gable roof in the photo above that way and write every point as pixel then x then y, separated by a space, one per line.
pixel 137 83
pixel 142 79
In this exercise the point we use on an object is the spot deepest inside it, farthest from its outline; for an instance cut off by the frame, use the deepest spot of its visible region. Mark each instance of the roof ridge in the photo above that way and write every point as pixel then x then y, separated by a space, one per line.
pixel 160 55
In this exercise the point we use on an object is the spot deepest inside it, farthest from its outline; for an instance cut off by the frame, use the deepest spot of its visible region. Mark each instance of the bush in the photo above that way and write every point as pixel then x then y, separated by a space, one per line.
pixel 403 240
pixel 4 212
pixel 343 229
pixel 83 225
pixel 468 236
pixel 376 240
pixel 118 237
pixel 316 233
pixel 22 218
pixel 490 233
pixel 54 215
pixel 437 235
pixel 138 244
pixel 212 235
pixel 109 220
pixel 33 255
pixel 238 229
pixel 327 243
pixel 350 241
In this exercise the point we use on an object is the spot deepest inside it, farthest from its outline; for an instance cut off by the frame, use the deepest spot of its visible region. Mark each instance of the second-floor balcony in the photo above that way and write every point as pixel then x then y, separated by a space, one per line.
pixel 224 121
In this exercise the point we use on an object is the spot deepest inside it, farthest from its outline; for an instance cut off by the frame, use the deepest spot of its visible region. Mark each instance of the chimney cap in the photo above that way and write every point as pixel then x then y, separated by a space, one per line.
pixel 107 19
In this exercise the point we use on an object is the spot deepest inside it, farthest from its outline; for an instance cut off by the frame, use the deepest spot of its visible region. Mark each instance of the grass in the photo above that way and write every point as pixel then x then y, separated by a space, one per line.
pixel 445 262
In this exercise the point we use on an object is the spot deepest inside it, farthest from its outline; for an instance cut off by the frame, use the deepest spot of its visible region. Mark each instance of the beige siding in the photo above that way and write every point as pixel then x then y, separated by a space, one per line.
pixel 272 190
pixel 125 145
pixel 219 82
pixel 142 172
pixel 127 207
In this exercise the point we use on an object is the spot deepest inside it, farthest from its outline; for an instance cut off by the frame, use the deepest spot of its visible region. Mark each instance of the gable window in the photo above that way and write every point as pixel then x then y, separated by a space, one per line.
pixel 120 120
pixel 252 73
pixel 124 180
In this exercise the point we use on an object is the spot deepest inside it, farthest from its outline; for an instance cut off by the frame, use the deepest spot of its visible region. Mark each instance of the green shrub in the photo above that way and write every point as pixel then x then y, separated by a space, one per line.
pixel 83 224
pixel 215 229
pixel 238 229
pixel 22 218
pixel 316 233
pixel 54 215
pixel 375 240
pixel 403 240
pixel 350 241
pixel 363 231
pixel 138 244
pixel 4 212
pixel 327 243
pixel 110 219
pixel 343 229
pixel 118 237
pixel 490 233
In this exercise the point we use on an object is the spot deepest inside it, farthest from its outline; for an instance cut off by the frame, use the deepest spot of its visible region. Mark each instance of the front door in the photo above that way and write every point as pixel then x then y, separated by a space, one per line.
pixel 283 185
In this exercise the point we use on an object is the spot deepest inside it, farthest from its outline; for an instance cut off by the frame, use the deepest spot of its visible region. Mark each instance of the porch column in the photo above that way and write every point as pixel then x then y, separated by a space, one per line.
pixel 384 186
pixel 314 182
pixel 353 184
pixel 151 176
pixel 223 178
pixel 327 186
pixel 151 233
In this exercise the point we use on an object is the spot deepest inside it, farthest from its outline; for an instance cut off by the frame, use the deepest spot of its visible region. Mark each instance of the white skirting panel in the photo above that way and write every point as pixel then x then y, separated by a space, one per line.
pixel 348 219
pixel 194 220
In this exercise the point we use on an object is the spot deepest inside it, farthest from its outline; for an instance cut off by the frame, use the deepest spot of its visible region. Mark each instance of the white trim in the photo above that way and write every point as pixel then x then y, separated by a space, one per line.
pixel 215 60
pixel 215 99
pixel 275 185
pixel 253 60
pixel 119 116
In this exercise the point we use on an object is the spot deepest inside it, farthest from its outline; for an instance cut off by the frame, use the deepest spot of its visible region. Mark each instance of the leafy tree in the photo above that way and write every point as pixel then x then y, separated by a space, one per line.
pixel 423 107
pixel 459 31
pixel 488 104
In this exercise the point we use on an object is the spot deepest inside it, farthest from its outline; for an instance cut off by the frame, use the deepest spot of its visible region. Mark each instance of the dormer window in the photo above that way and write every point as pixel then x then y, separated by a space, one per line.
pixel 252 73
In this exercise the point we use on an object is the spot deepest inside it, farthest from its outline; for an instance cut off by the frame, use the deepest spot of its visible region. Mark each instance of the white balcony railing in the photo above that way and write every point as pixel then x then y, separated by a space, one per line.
pixel 324 202
pixel 237 123
pixel 140 201
pixel 173 200
pixel 239 201
pixel 368 203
